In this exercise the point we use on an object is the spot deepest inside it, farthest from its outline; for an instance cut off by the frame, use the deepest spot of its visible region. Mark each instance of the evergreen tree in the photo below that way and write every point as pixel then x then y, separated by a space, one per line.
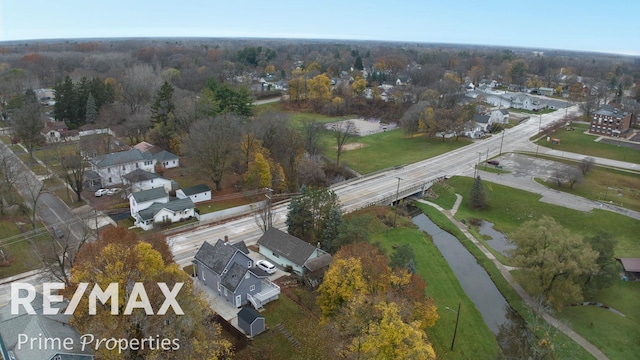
pixel 163 105
pixel 330 230
pixel 309 214
pixel 478 198
pixel 92 110
pixel 358 64
pixel 30 97
pixel 64 108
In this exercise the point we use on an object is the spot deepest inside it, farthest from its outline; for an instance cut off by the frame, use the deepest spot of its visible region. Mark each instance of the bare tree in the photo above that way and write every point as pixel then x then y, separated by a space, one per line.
pixel 212 143
pixel 59 254
pixel 586 165
pixel 312 137
pixel 262 215
pixel 32 190
pixel 574 177
pixel 310 171
pixel 72 169
pixel 10 169
pixel 342 132
pixel 139 85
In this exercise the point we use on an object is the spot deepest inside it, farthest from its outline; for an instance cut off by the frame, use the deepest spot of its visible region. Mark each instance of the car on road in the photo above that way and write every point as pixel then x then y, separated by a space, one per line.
pixel 266 266
pixel 101 192
pixel 57 231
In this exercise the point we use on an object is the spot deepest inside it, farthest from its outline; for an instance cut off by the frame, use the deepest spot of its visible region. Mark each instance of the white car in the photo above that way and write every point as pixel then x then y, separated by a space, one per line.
pixel 113 191
pixel 266 266
pixel 101 192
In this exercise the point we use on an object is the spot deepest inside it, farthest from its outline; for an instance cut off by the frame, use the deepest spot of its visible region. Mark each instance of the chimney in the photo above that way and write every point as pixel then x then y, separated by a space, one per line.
pixel 226 239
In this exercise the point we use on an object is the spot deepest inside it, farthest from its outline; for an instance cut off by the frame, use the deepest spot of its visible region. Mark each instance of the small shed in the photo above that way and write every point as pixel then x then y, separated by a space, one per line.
pixel 631 267
pixel 250 321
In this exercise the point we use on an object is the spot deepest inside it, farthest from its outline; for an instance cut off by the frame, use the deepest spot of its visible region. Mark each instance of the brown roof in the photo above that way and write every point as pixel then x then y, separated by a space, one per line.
pixel 630 264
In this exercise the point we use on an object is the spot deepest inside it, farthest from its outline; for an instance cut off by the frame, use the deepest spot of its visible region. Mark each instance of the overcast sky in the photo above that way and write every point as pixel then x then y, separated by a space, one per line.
pixel 543 24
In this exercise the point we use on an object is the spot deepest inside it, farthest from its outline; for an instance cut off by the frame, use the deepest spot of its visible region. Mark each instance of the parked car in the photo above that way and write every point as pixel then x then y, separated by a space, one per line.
pixel 113 191
pixel 101 192
pixel 493 162
pixel 266 266
pixel 57 232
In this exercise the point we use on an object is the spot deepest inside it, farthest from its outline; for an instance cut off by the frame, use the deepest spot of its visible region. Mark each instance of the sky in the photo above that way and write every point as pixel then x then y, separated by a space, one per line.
pixel 587 25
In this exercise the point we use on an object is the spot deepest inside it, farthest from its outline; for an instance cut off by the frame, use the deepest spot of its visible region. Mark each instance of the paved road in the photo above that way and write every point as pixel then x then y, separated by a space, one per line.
pixel 374 188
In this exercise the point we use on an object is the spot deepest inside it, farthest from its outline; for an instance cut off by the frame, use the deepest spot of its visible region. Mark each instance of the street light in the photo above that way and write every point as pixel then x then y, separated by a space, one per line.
pixel 395 215
pixel 455 330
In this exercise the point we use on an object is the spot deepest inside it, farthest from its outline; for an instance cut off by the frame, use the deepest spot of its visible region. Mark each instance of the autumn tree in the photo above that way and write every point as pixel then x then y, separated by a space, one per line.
pixel 554 260
pixel 604 244
pixel 319 91
pixel 120 258
pixel 258 175
pixel 212 142
pixel 477 196
pixel 342 282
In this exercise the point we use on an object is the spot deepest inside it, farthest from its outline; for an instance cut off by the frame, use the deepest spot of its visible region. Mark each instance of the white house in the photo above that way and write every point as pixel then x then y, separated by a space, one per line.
pixel 165 213
pixel 526 102
pixel 112 167
pixel 143 180
pixel 483 121
pixel 499 116
pixel 287 250
pixel 167 159
pixel 198 193
pixel 141 200
pixel 153 206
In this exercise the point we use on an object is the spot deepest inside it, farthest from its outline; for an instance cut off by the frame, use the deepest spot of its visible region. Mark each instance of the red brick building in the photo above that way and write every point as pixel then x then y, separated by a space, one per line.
pixel 610 121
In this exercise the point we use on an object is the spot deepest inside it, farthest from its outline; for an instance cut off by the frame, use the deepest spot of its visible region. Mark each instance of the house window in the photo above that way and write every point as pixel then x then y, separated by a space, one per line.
pixel 109 179
pixel 250 263
pixel 252 287
pixel 137 165
pixel 122 167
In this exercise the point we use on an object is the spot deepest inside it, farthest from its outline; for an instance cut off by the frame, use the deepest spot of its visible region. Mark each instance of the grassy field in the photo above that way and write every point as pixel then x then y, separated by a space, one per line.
pixel 388 149
pixel 19 249
pixel 509 208
pixel 473 337
pixel 577 141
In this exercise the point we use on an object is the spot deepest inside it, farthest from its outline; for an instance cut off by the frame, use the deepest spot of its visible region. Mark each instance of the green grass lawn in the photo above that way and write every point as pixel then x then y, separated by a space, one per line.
pixel 620 188
pixel 473 337
pixel 299 322
pixel 509 208
pixel 389 149
pixel 565 348
pixel 577 141
pixel 615 335
pixel 19 249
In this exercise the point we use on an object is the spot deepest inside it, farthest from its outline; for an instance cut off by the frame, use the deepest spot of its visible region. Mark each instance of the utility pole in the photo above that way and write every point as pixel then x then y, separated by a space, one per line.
pixel 538 139
pixel 501 141
pixel 395 215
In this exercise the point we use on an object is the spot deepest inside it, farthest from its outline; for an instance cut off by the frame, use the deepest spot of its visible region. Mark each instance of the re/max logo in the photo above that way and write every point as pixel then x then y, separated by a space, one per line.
pixel 138 298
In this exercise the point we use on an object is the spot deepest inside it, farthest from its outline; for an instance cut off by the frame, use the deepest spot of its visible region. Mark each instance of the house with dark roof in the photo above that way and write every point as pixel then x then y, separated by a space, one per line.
pixel 140 180
pixel 228 270
pixel 112 167
pixel 154 206
pixel 196 193
pixel 287 250
pixel 54 328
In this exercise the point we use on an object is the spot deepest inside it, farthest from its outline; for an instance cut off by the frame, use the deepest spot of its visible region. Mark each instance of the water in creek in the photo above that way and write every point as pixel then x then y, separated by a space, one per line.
pixel 498 241
pixel 508 327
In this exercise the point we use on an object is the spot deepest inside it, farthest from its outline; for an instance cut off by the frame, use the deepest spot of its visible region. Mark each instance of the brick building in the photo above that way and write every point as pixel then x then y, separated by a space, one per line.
pixel 610 121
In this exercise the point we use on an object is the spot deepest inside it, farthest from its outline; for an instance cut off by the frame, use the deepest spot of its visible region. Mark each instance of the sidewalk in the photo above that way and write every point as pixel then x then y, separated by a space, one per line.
pixel 521 292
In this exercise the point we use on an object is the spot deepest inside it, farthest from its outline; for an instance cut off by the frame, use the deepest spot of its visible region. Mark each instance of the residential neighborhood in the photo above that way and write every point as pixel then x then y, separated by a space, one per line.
pixel 320 199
